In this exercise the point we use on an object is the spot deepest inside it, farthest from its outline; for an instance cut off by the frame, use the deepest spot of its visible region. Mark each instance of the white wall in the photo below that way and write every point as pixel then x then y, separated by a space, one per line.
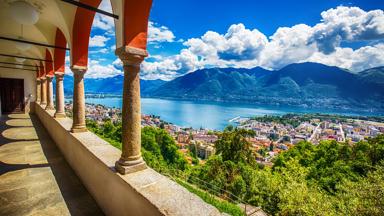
pixel 29 83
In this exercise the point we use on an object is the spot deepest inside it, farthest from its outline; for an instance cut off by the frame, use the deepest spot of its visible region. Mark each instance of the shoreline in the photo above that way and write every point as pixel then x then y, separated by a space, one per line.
pixel 251 105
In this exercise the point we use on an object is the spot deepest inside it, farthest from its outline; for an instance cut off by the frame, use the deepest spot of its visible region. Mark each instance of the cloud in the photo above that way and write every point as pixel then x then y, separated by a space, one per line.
pixel 355 60
pixel 97 70
pixel 286 46
pixel 347 24
pixel 169 68
pixel 103 50
pixel 158 34
pixel 98 41
pixel 247 48
pixel 237 44
pixel 103 22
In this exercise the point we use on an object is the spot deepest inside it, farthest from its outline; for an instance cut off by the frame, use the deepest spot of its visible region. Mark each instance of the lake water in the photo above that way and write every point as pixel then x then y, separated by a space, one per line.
pixel 212 115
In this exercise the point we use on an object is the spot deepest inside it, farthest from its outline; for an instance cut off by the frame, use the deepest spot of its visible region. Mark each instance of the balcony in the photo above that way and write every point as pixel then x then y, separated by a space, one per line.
pixel 45 168
pixel 35 178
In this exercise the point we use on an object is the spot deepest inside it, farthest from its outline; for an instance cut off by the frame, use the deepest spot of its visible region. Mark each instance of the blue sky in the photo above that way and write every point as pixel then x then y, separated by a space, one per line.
pixel 185 35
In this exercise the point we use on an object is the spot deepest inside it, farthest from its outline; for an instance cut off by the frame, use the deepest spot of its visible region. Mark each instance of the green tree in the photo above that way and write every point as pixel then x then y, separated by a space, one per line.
pixel 234 146
pixel 365 196
pixel 108 128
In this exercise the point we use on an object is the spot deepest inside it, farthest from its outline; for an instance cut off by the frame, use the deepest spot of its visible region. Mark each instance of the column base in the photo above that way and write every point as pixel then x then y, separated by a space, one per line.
pixel 43 104
pixel 49 107
pixel 126 167
pixel 59 115
pixel 78 129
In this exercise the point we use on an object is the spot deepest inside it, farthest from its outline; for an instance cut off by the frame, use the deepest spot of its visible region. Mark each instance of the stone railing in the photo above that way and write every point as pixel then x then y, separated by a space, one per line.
pixel 141 193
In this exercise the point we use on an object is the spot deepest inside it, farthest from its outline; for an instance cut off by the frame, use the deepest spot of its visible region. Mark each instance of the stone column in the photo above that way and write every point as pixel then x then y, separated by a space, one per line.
pixel 38 90
pixel 60 112
pixel 131 160
pixel 43 91
pixel 78 100
pixel 50 105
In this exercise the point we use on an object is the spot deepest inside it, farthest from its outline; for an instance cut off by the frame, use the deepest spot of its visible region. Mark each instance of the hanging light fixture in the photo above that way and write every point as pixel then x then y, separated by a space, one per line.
pixel 24 13
pixel 23 46
pixel 20 45
pixel 20 60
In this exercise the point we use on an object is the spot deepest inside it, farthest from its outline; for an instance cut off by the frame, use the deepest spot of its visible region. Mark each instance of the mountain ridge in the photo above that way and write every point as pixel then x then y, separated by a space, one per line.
pixel 300 84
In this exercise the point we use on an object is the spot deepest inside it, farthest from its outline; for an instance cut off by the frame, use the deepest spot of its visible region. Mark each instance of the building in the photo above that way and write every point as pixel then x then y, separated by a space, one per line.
pixel 38 137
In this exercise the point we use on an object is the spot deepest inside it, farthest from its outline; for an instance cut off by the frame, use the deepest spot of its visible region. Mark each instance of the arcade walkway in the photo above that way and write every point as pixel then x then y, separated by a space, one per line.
pixel 35 179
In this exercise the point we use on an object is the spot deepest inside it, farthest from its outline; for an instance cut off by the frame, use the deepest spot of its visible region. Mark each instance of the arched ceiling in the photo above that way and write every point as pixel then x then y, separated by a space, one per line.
pixel 57 14
pixel 52 14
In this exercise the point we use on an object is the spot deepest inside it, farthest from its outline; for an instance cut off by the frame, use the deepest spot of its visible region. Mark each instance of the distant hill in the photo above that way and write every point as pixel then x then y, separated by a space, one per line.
pixel 302 84
pixel 110 85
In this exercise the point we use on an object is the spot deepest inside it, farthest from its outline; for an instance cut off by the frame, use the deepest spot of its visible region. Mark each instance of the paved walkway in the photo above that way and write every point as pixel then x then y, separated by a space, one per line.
pixel 34 177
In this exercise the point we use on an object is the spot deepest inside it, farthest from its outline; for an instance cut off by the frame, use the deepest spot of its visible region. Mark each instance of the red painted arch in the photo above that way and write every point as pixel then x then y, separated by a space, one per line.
pixel 59 61
pixel 136 14
pixel 81 32
pixel 42 70
pixel 48 64
pixel 37 72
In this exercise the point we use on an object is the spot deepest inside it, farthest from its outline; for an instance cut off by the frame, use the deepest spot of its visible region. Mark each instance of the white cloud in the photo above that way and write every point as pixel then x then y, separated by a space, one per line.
pixel 169 68
pixel 355 60
pixel 242 47
pixel 288 45
pixel 156 33
pixel 97 70
pixel 103 22
pixel 98 41
pixel 347 24
pixel 159 33
pixel 102 50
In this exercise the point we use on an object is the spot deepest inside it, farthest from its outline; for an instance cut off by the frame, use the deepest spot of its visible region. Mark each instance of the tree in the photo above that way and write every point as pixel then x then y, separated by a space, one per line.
pixel 365 196
pixel 234 146
pixel 163 146
pixel 108 128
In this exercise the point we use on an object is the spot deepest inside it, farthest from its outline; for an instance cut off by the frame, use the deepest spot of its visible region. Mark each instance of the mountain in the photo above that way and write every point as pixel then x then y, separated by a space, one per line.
pixel 110 85
pixel 303 84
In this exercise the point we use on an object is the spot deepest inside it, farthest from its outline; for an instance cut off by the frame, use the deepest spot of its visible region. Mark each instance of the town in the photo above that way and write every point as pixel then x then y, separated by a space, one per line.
pixel 273 135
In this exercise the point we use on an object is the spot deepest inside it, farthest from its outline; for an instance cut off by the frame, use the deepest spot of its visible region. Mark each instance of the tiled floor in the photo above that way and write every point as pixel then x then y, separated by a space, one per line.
pixel 34 177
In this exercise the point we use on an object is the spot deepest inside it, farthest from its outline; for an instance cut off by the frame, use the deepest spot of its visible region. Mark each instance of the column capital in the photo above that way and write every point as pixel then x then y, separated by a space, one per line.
pixel 43 78
pixel 79 70
pixel 49 77
pixel 38 79
pixel 131 56
pixel 58 73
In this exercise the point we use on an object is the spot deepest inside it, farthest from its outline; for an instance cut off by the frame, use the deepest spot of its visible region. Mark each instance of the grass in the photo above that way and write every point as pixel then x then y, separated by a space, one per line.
pixel 221 205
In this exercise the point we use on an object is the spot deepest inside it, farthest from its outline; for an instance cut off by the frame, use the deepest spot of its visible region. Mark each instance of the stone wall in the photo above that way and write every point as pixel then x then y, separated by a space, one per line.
pixel 142 193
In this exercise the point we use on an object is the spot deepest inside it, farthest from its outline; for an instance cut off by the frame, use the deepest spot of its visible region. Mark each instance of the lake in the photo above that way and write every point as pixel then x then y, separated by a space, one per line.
pixel 212 115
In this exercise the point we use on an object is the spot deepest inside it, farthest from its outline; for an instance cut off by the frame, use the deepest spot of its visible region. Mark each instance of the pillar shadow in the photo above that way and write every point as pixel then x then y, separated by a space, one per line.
pixel 5 125
pixel 76 196
pixel 6 167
